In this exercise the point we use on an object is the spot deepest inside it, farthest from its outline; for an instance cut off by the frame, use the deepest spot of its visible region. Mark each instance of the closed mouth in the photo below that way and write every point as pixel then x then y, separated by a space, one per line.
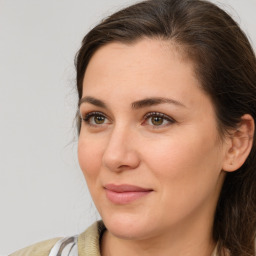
pixel 125 194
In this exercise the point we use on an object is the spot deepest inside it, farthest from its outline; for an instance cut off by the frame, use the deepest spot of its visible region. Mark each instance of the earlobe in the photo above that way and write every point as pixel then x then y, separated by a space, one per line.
pixel 241 140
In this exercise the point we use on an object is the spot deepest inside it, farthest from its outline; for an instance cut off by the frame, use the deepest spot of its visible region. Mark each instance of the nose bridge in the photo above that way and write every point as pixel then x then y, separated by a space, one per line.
pixel 120 151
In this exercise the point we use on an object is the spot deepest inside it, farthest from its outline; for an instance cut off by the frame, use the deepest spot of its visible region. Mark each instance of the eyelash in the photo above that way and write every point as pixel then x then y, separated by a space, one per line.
pixel 146 117
pixel 88 116
pixel 161 115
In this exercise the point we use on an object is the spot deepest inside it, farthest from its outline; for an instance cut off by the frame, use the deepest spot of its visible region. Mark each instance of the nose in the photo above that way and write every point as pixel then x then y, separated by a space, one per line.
pixel 121 152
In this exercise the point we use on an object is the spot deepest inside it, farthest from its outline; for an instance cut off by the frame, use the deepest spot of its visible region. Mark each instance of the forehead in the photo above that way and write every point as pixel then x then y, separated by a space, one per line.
pixel 151 49
pixel 141 62
pixel 146 68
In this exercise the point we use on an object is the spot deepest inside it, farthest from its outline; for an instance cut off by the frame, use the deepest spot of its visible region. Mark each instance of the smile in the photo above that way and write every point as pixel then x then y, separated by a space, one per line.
pixel 124 194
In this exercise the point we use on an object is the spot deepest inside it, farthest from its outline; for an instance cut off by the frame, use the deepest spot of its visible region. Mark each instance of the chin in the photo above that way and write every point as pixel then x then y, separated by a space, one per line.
pixel 128 226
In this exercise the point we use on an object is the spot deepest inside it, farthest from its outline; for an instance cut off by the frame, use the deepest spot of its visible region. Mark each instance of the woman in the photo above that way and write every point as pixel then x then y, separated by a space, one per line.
pixel 166 134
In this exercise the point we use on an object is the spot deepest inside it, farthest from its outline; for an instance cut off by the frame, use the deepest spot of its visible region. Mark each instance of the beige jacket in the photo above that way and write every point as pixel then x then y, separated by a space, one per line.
pixel 88 244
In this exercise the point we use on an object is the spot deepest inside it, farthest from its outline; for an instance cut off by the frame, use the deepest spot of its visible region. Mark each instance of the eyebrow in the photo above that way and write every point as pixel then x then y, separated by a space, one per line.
pixel 135 105
pixel 155 101
pixel 93 101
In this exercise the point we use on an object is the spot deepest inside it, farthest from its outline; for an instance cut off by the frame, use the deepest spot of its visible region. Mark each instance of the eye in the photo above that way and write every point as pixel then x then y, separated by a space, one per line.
pixel 157 119
pixel 95 119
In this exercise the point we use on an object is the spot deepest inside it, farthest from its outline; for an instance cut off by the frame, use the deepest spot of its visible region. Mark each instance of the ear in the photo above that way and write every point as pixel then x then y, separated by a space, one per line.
pixel 239 144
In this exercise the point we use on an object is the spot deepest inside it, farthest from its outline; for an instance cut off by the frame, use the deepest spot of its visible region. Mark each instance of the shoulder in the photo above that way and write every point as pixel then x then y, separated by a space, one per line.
pixel 89 240
pixel 87 243
pixel 38 249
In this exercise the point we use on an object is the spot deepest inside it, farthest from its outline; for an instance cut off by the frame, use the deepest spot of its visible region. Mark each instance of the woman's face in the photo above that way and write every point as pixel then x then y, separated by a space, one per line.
pixel 149 147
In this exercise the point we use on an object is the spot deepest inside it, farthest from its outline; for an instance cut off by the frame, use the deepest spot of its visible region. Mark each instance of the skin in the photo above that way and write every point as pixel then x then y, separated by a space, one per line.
pixel 180 160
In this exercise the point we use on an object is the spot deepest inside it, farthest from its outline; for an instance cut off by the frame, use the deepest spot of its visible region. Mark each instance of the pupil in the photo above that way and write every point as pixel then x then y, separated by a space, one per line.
pixel 157 120
pixel 99 119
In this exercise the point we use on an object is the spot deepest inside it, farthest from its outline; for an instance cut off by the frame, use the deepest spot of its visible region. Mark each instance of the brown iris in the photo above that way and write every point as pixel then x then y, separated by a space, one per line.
pixel 157 120
pixel 99 119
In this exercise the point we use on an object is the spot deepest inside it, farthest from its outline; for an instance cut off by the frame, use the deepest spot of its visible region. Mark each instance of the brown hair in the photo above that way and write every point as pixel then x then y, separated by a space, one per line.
pixel 225 64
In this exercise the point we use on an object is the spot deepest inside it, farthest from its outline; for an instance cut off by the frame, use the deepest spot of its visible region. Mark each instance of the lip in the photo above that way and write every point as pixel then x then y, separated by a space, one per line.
pixel 125 193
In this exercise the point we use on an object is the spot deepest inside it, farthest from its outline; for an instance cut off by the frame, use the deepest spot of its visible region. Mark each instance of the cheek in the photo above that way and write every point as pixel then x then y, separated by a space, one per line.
pixel 89 158
pixel 187 172
pixel 185 164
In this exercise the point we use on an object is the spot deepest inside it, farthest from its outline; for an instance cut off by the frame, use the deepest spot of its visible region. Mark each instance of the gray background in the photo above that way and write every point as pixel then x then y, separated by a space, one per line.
pixel 42 190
